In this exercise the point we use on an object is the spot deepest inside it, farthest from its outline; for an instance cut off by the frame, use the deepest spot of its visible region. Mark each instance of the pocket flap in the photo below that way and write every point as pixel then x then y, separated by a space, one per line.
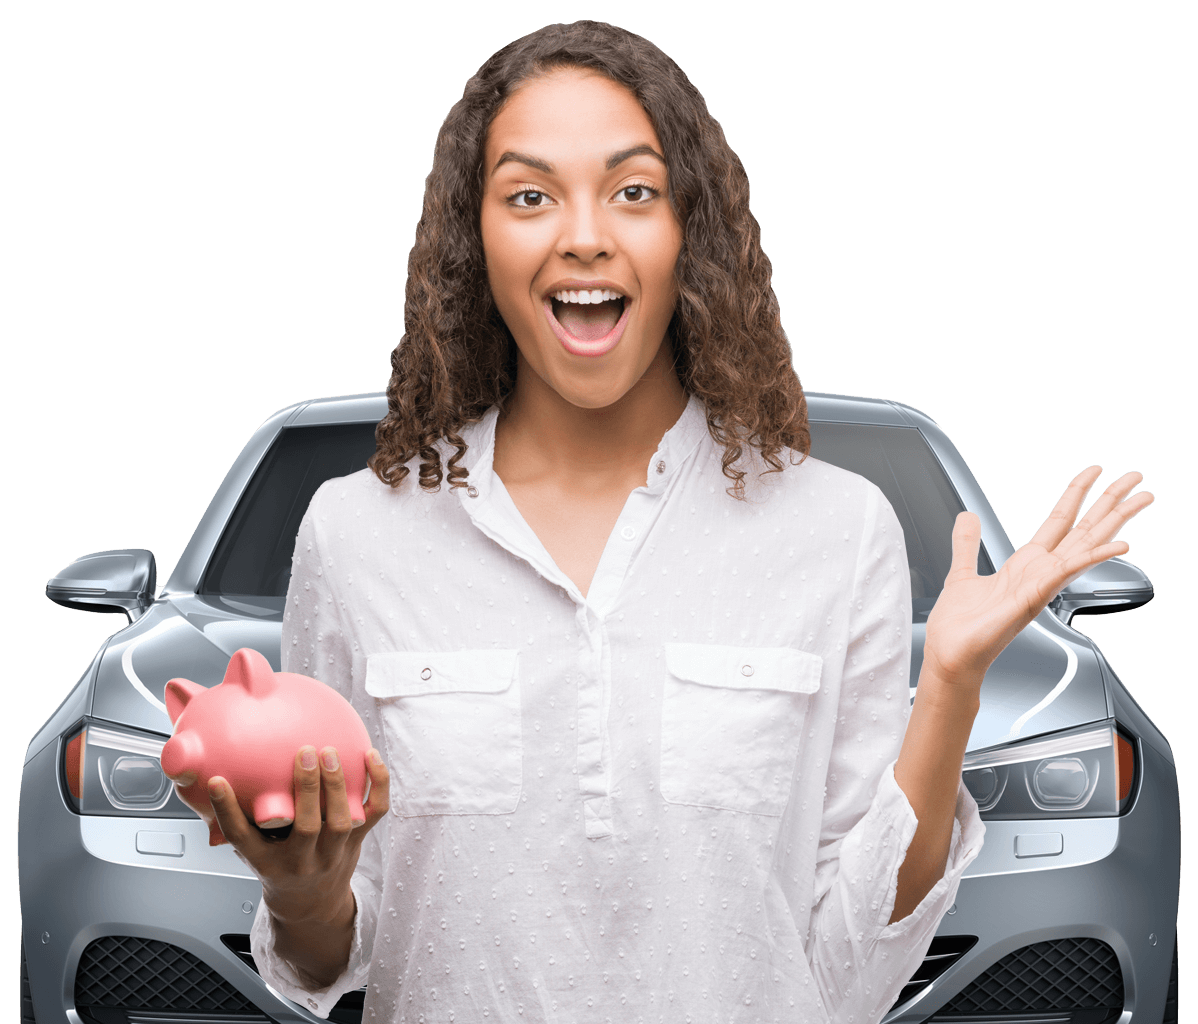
pixel 745 668
pixel 416 673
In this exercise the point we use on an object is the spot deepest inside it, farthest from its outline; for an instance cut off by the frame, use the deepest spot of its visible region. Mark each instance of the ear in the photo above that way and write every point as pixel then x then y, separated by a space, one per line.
pixel 251 671
pixel 179 693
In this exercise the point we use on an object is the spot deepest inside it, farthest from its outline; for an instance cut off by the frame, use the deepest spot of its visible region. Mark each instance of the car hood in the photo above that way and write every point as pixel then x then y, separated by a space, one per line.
pixel 183 638
pixel 1047 679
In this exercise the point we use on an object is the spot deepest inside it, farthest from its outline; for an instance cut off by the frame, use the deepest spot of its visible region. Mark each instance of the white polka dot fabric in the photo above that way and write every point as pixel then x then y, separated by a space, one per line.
pixel 669 801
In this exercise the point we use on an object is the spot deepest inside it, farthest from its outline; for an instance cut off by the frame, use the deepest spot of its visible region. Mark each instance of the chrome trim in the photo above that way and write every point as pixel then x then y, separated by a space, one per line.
pixel 125 742
pixel 1019 753
pixel 114 840
pixel 1084 841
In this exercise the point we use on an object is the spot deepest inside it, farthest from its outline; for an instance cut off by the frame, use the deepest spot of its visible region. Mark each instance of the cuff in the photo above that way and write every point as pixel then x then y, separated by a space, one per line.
pixel 283 979
pixel 964 846
pixel 861 961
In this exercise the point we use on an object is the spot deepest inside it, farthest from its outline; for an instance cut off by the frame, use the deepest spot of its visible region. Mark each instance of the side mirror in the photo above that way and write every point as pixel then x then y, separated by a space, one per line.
pixel 1111 586
pixel 107 581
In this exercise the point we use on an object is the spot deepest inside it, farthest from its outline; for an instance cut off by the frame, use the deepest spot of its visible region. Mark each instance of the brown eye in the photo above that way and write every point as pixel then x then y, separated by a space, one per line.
pixel 636 194
pixel 528 198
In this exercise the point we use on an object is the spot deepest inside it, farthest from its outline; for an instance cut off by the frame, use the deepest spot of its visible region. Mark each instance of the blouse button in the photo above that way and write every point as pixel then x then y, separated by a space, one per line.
pixel 746 670
pixel 312 1003
pixel 661 467
pixel 472 491
pixel 426 673
pixel 628 533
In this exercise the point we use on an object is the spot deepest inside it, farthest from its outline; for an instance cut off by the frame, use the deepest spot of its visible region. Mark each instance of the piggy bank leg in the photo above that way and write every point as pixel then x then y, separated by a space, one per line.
pixel 271 810
pixel 215 836
pixel 357 813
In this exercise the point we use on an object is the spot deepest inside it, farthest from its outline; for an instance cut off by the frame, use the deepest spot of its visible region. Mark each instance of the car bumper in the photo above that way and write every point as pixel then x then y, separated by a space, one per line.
pixel 85 878
pixel 1115 880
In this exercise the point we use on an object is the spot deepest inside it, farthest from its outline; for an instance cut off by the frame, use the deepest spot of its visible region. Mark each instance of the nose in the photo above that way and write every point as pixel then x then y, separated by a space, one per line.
pixel 585 232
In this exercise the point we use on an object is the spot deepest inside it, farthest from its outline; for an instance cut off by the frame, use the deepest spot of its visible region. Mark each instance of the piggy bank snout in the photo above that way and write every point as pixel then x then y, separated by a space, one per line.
pixel 183 754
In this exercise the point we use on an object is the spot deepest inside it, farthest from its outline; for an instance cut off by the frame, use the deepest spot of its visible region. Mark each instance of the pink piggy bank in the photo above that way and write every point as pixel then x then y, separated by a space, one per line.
pixel 248 728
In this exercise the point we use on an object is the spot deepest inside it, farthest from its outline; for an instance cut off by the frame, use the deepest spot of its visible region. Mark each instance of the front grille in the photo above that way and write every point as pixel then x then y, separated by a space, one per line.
pixel 26 997
pixel 133 978
pixel 1061 975
pixel 165 1017
pixel 347 1010
pixel 944 951
pixel 115 1015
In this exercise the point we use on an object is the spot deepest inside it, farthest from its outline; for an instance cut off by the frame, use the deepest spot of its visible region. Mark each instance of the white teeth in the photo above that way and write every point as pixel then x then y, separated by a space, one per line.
pixel 585 298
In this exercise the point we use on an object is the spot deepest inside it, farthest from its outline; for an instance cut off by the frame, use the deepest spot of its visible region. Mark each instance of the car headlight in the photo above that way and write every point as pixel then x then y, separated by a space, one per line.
pixel 1083 773
pixel 112 770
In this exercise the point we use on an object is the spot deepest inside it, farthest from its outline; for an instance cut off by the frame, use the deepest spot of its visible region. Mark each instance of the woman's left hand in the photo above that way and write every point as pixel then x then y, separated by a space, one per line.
pixel 975 616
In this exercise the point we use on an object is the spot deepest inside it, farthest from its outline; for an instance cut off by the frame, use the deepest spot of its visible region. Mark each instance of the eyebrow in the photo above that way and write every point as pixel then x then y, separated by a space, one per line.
pixel 522 158
pixel 612 161
pixel 642 150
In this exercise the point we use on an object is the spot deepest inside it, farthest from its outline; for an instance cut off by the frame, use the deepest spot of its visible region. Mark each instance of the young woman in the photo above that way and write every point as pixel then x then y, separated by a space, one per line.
pixel 640 671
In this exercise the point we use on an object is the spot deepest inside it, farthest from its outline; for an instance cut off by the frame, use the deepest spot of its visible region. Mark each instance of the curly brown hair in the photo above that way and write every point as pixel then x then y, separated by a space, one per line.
pixel 457 357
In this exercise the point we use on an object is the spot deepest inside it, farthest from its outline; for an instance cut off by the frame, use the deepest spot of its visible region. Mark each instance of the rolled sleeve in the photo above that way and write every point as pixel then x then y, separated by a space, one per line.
pixel 859 961
pixel 965 845
pixel 285 979
pixel 880 957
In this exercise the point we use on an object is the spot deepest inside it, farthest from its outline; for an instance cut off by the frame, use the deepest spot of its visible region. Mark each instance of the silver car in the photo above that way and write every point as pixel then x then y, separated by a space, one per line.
pixel 129 917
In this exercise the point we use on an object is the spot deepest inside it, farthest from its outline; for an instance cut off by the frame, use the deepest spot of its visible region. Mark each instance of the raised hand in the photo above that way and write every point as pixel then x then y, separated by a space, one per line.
pixel 975 616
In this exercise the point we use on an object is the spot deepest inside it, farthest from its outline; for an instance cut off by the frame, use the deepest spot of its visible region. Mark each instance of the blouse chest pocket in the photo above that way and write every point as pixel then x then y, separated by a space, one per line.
pixel 731 724
pixel 452 725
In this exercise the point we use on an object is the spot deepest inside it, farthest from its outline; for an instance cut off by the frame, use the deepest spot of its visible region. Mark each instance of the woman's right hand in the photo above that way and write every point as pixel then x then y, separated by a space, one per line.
pixel 305 877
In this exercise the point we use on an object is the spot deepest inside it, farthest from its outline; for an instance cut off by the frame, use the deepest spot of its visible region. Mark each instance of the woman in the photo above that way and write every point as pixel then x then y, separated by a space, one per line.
pixel 648 733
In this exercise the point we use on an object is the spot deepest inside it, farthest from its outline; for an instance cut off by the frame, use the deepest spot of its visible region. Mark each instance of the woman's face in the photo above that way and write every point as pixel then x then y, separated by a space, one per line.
pixel 575 208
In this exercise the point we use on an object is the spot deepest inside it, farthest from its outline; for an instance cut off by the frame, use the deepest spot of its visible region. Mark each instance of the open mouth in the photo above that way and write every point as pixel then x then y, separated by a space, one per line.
pixel 587 316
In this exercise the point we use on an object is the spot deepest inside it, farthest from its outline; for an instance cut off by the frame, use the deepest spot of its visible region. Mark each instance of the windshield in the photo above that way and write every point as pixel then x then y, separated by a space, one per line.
pixel 253 557
pixel 254 553
pixel 908 473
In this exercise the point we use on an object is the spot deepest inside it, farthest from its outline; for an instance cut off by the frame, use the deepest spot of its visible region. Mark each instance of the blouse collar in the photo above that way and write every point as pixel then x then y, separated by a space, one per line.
pixel 676 446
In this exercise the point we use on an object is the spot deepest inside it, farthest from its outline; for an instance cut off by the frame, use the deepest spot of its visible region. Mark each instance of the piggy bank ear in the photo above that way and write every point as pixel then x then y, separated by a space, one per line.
pixel 179 693
pixel 251 671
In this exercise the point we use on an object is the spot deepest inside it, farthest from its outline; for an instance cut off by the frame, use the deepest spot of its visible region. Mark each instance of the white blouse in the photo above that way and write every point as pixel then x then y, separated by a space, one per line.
pixel 670 800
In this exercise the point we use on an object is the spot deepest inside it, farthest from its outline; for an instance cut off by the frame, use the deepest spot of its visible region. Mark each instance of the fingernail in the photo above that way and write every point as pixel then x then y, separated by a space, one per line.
pixel 330 760
pixel 374 757
pixel 308 757
pixel 215 788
